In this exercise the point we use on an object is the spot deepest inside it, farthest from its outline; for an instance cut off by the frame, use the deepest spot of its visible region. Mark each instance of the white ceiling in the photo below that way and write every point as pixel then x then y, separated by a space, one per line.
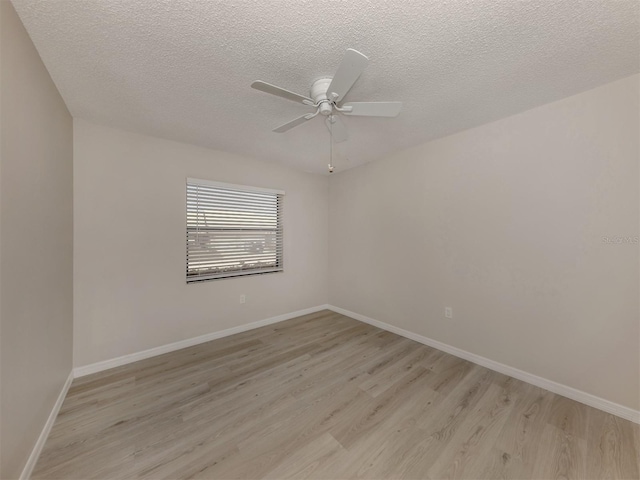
pixel 181 69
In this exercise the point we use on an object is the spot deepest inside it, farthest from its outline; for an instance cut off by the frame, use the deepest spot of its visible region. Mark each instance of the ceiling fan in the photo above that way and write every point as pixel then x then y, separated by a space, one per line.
pixel 327 95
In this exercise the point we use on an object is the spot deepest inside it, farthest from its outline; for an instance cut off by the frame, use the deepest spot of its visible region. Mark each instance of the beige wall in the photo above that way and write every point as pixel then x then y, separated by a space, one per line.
pixel 505 224
pixel 130 220
pixel 36 213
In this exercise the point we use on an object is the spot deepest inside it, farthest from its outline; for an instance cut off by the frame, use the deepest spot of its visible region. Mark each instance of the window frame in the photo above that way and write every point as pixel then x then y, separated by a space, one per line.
pixel 236 190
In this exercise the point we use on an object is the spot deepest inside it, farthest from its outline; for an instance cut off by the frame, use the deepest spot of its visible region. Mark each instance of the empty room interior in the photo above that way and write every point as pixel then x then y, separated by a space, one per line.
pixel 329 240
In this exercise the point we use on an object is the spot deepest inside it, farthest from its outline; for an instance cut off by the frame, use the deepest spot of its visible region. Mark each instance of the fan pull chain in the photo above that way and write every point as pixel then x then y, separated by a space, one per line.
pixel 331 120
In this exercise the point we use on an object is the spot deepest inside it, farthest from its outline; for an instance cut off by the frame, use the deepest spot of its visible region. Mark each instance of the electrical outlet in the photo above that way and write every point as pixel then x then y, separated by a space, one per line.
pixel 448 312
pixel 243 298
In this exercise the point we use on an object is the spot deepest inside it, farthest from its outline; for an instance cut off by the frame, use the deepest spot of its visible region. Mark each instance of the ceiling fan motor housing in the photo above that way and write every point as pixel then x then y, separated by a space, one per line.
pixel 319 95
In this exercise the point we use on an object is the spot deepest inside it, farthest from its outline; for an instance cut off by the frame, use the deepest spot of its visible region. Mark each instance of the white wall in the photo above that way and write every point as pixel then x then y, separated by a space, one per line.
pixel 130 221
pixel 505 223
pixel 36 252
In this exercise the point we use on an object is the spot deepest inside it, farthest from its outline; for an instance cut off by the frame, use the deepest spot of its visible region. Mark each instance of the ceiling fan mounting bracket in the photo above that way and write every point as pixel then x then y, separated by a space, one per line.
pixel 344 109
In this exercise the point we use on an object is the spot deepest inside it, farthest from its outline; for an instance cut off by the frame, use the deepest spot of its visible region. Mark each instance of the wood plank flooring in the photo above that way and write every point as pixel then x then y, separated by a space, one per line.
pixel 325 396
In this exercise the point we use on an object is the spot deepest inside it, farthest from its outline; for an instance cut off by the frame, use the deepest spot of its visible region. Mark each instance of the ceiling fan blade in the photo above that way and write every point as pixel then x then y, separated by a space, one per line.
pixel 294 123
pixel 348 72
pixel 337 128
pixel 374 109
pixel 280 92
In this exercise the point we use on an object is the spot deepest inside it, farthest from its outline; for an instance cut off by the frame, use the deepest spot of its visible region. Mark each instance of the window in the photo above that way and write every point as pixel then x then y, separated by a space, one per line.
pixel 232 230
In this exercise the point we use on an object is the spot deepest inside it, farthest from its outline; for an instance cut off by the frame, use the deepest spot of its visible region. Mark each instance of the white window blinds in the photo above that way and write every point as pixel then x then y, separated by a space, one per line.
pixel 232 230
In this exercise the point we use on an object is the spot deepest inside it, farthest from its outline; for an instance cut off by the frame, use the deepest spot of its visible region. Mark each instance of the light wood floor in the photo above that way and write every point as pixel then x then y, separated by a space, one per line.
pixel 325 396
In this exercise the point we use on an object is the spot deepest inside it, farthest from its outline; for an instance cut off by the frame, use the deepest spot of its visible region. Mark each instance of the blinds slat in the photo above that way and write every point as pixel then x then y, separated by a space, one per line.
pixel 204 277
pixel 240 197
pixel 216 202
pixel 233 258
pixel 232 191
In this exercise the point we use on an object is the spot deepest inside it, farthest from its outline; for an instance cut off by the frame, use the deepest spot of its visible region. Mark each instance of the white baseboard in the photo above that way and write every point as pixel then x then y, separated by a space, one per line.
pixel 37 449
pixel 171 347
pixel 564 390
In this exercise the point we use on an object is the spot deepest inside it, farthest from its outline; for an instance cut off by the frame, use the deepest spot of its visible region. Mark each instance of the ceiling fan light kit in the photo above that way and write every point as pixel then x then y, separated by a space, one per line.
pixel 326 96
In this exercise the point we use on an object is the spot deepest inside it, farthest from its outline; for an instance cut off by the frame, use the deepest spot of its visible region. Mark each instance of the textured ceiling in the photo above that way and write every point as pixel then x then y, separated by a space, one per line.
pixel 181 69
